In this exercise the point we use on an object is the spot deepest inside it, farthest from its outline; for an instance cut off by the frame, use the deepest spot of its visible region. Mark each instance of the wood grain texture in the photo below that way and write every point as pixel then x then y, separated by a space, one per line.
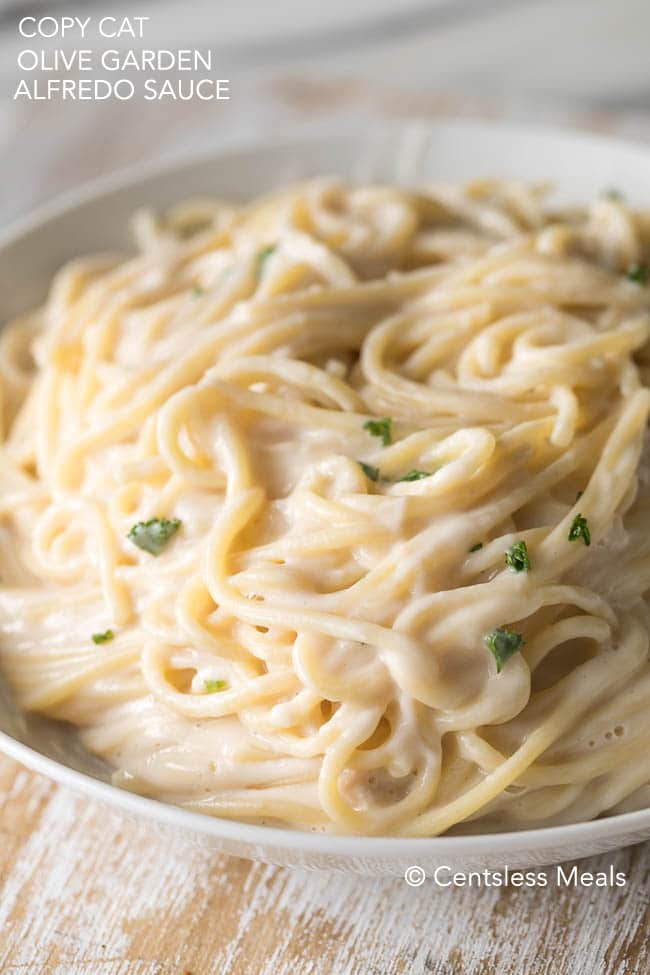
pixel 85 891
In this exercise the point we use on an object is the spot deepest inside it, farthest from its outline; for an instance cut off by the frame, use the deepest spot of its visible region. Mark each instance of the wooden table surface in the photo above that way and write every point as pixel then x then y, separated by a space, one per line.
pixel 85 891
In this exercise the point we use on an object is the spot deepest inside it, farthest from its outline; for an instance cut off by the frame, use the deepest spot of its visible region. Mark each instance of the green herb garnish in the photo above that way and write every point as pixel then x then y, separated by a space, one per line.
pixel 262 257
pixel 197 292
pixel 214 685
pixel 103 637
pixel 580 529
pixel 613 194
pixel 476 547
pixel 517 557
pixel 380 428
pixel 153 535
pixel 370 471
pixel 375 474
pixel 637 273
pixel 502 644
pixel 414 475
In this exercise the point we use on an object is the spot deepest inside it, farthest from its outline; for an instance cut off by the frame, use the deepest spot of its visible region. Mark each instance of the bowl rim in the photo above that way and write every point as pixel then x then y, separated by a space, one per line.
pixel 294 138
pixel 614 830
pixel 352 845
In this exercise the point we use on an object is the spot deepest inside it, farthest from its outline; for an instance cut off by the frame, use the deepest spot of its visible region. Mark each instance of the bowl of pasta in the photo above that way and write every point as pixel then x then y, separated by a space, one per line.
pixel 322 496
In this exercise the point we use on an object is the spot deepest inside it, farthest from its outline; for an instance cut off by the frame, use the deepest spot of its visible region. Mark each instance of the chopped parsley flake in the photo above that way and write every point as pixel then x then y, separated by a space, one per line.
pixel 517 557
pixel 375 474
pixel 197 292
pixel 613 194
pixel 153 535
pixel 380 428
pixel 414 475
pixel 370 471
pixel 503 644
pixel 580 529
pixel 103 637
pixel 476 547
pixel 262 257
pixel 214 685
pixel 637 273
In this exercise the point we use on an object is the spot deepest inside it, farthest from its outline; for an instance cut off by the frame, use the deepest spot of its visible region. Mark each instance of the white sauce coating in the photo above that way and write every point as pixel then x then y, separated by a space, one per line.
pixel 309 647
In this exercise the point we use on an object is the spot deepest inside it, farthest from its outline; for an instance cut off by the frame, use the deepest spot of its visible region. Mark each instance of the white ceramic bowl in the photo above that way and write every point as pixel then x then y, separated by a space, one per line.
pixel 96 218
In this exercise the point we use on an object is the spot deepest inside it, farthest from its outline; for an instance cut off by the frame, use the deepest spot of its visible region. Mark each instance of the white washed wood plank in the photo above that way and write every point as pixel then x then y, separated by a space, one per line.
pixel 88 891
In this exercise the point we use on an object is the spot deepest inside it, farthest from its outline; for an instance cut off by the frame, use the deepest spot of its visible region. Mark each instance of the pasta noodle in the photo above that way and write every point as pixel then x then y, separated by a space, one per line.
pixel 332 510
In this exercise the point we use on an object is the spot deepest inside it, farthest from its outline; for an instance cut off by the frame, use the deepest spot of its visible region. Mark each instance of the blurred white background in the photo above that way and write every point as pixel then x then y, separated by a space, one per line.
pixel 297 63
